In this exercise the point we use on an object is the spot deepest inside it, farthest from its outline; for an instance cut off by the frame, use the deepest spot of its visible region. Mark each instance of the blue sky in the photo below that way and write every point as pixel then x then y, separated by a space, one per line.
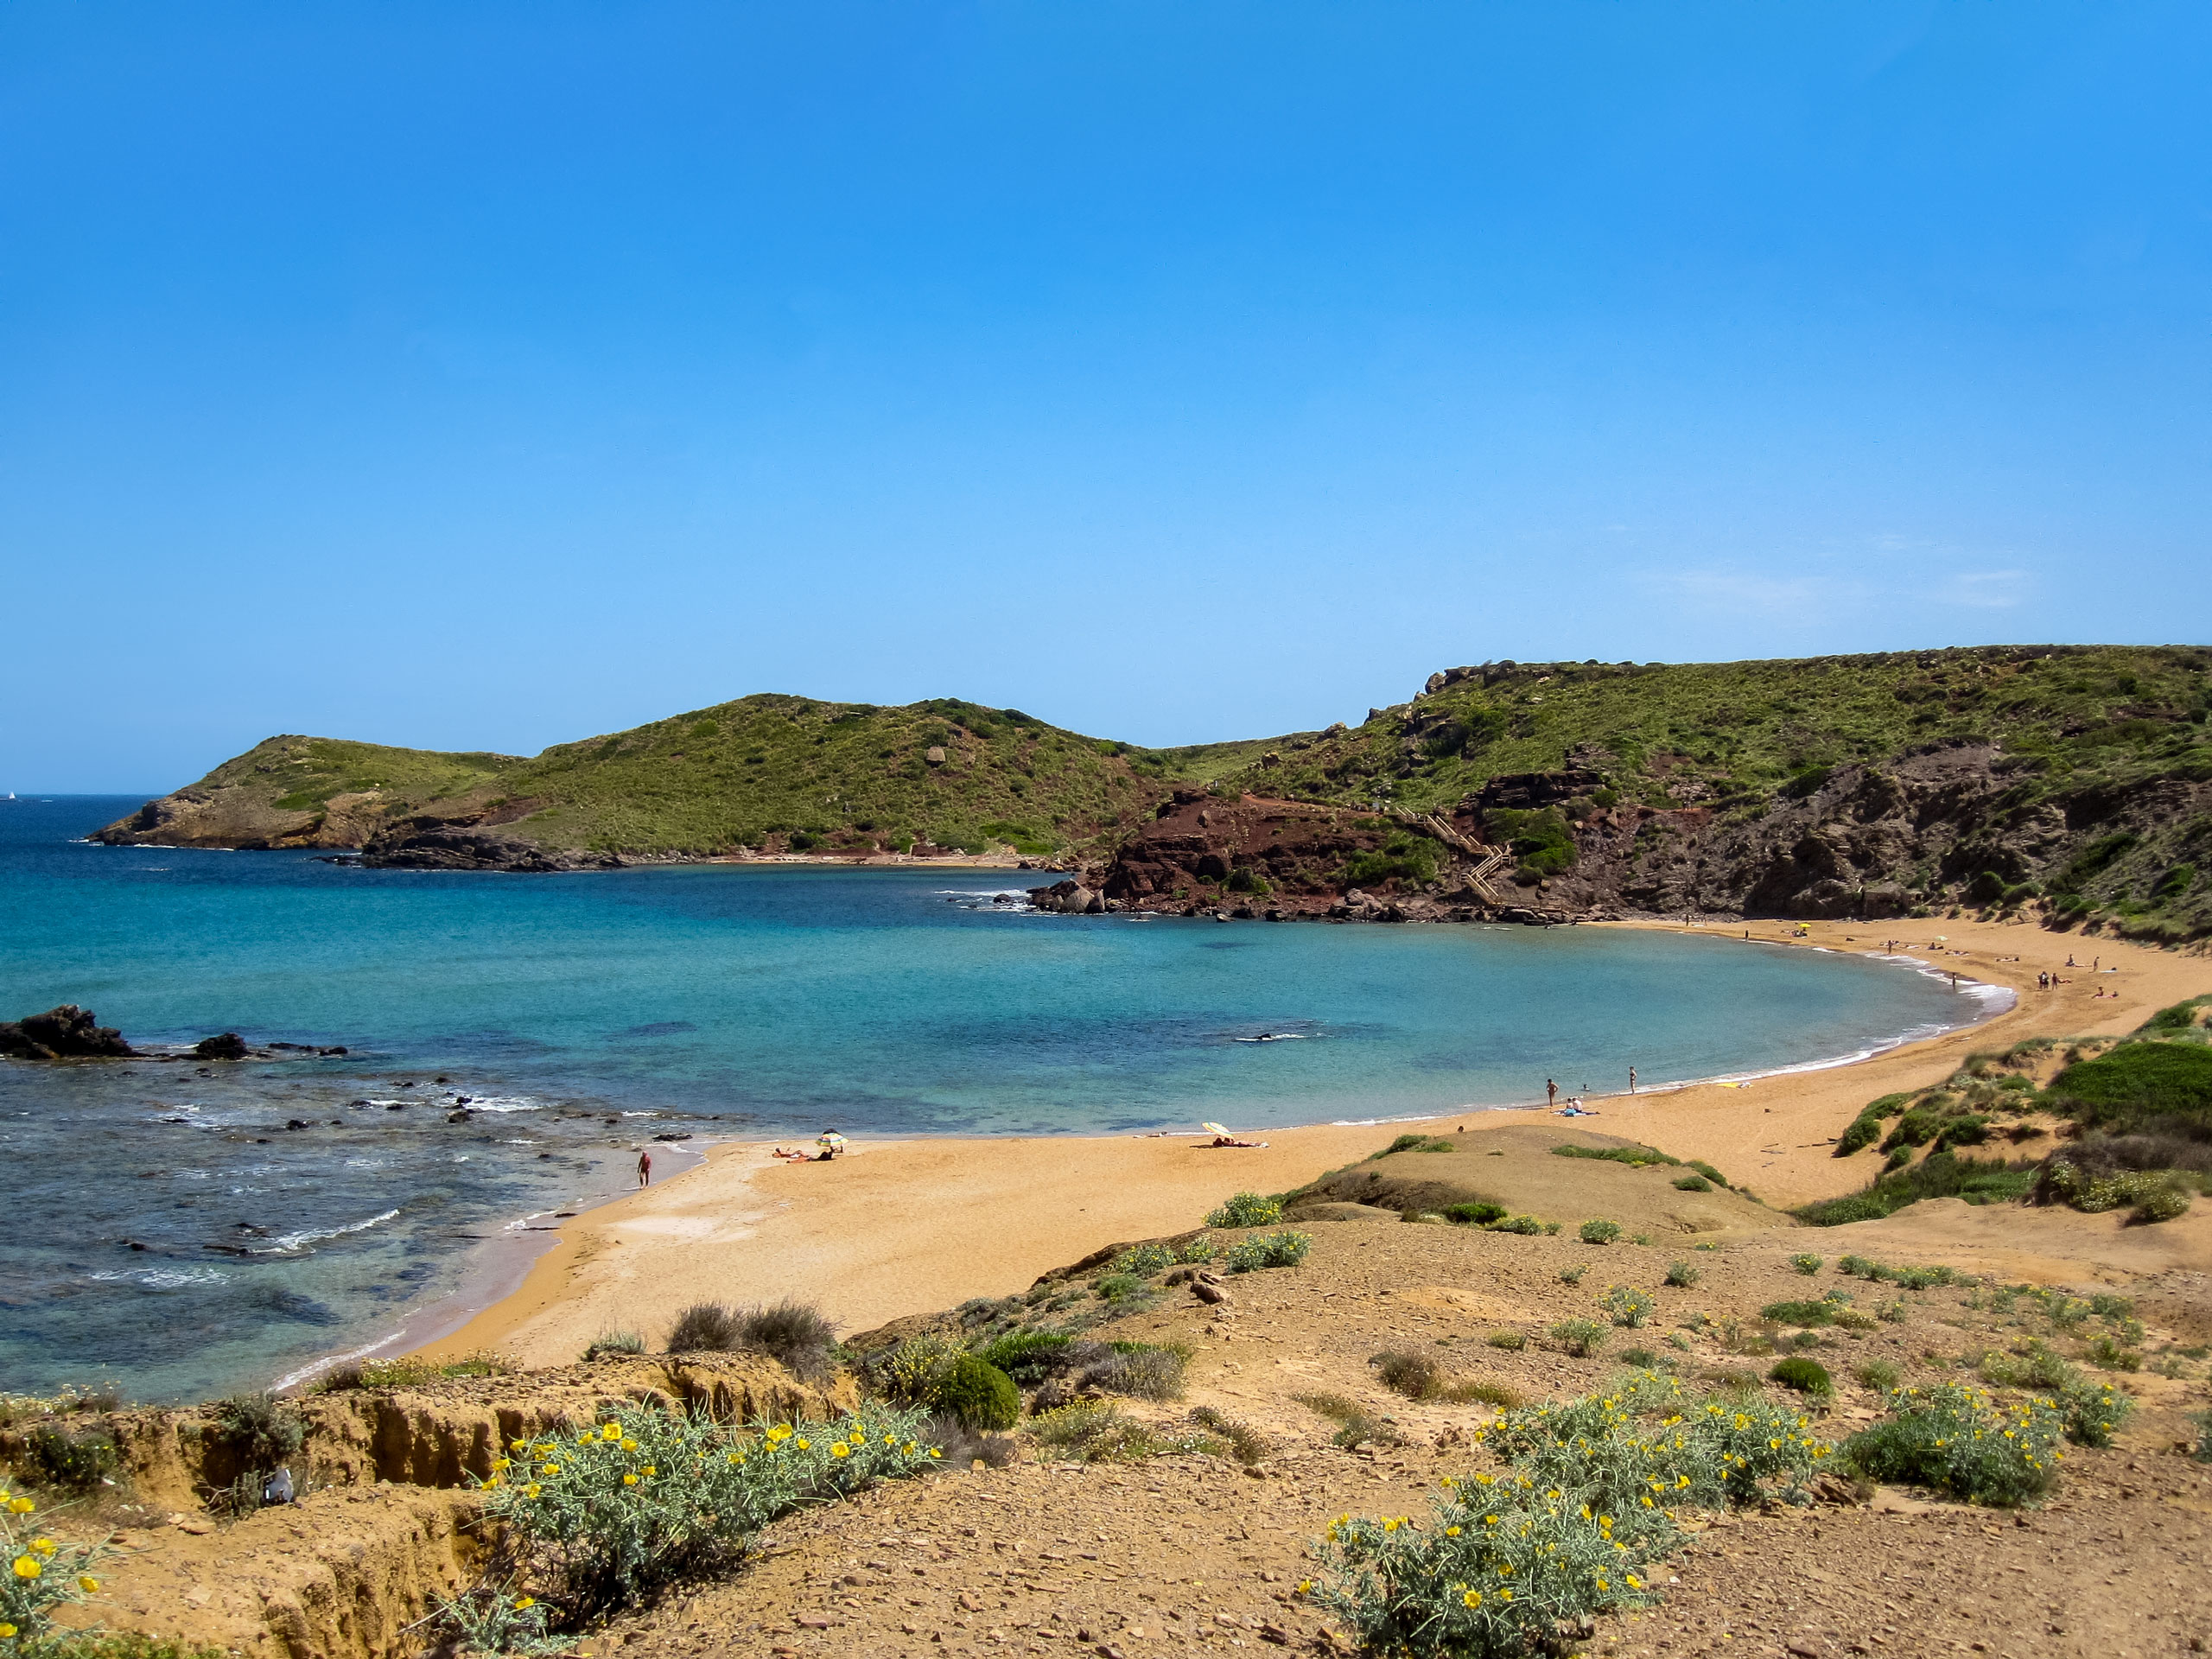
pixel 471 375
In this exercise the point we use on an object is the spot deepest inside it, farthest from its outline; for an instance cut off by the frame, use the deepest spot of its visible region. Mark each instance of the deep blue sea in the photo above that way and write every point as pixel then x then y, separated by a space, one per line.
pixel 582 1015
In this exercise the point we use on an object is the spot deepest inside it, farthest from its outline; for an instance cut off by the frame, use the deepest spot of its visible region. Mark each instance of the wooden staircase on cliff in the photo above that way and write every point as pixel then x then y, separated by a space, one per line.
pixel 1488 860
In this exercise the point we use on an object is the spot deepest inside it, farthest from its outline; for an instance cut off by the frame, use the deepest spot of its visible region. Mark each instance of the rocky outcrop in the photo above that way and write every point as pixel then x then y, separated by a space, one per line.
pixel 242 816
pixel 67 1032
pixel 420 845
pixel 1857 842
pixel 1070 898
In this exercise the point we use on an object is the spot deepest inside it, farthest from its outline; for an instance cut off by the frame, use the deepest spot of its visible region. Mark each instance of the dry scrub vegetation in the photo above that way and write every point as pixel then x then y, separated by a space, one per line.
pixel 1417 1436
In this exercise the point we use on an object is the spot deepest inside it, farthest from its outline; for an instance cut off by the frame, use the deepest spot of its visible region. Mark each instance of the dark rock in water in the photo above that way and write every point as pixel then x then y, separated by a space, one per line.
pixel 295 1122
pixel 429 846
pixel 674 1135
pixel 460 1117
pixel 225 1045
pixel 67 1032
pixel 1070 898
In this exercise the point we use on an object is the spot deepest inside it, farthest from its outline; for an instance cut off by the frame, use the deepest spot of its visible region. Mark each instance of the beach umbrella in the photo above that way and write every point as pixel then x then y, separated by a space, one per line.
pixel 829 1141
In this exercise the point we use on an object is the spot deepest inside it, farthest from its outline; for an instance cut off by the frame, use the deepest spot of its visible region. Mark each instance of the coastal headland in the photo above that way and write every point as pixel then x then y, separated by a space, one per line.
pixel 898 1227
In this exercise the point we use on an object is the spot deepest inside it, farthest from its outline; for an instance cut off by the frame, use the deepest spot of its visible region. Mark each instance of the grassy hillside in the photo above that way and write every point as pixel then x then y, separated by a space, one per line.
pixel 763 771
pixel 830 772
pixel 306 773
pixel 2078 729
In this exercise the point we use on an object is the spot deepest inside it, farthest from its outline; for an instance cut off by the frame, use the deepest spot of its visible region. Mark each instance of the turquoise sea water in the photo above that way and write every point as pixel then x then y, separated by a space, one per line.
pixel 582 1014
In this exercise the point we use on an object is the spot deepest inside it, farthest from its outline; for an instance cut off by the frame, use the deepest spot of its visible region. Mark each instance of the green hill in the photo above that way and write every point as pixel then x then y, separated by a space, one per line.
pixel 767 770
pixel 2076 775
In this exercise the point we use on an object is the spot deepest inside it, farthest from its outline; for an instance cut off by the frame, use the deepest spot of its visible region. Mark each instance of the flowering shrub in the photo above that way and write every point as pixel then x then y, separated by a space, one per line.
pixel 1808 1264
pixel 1502 1561
pixel 1246 1209
pixel 2093 1411
pixel 1628 1305
pixel 1498 1564
pixel 1959 1439
pixel 609 1510
pixel 1599 1232
pixel 1269 1250
pixel 1652 1439
pixel 1145 1260
pixel 1579 1336
pixel 40 1575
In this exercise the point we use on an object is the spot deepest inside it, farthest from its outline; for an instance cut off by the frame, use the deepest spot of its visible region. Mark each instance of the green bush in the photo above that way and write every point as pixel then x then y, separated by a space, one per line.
pixel 1528 1226
pixel 1808 1264
pixel 908 1374
pixel 615 1342
pixel 2108 1353
pixel 47 1574
pixel 1573 1275
pixel 1246 1209
pixel 1494 1572
pixel 1475 1215
pixel 1145 1260
pixel 1682 1276
pixel 1119 1287
pixel 77 1460
pixel 1581 1338
pixel 607 1513
pixel 1806 1375
pixel 1505 1564
pixel 2093 1411
pixel 1800 1313
pixel 1634 1157
pixel 978 1394
pixel 1417 1143
pixel 1693 1183
pixel 1708 1172
pixel 2139 1087
pixel 1268 1250
pixel 1512 1341
pixel 1095 1431
pixel 1876 1374
pixel 1028 1356
pixel 1627 1305
pixel 1956 1439
pixel 1599 1232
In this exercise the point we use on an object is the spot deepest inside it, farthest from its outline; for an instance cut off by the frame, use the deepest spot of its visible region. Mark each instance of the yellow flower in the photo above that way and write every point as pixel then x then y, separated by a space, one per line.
pixel 1450 1532
pixel 841 1450
pixel 502 1463
pixel 524 1604
pixel 492 1484
pixel 1306 1587
pixel 935 1453
pixel 1474 1598
pixel 1505 1595
pixel 803 1446
pixel 629 1445
pixel 611 1431
pixel 88 1583
pixel 736 1457
pixel 6 1631
pixel 530 1490
pixel 908 1449
pixel 629 1480
pixel 1634 1583
pixel 22 1505
pixel 27 1566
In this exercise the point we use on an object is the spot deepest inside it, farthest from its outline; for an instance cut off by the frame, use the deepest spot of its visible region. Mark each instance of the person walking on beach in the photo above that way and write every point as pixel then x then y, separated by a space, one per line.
pixel 1551 1092
pixel 644 1169
pixel 1631 1079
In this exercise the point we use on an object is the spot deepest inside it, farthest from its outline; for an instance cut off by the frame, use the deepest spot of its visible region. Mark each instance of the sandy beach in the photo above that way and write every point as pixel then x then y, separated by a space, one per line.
pixel 900 1227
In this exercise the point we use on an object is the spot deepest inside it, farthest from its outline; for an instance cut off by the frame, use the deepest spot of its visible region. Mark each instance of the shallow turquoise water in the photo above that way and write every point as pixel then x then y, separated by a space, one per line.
pixel 762 1000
